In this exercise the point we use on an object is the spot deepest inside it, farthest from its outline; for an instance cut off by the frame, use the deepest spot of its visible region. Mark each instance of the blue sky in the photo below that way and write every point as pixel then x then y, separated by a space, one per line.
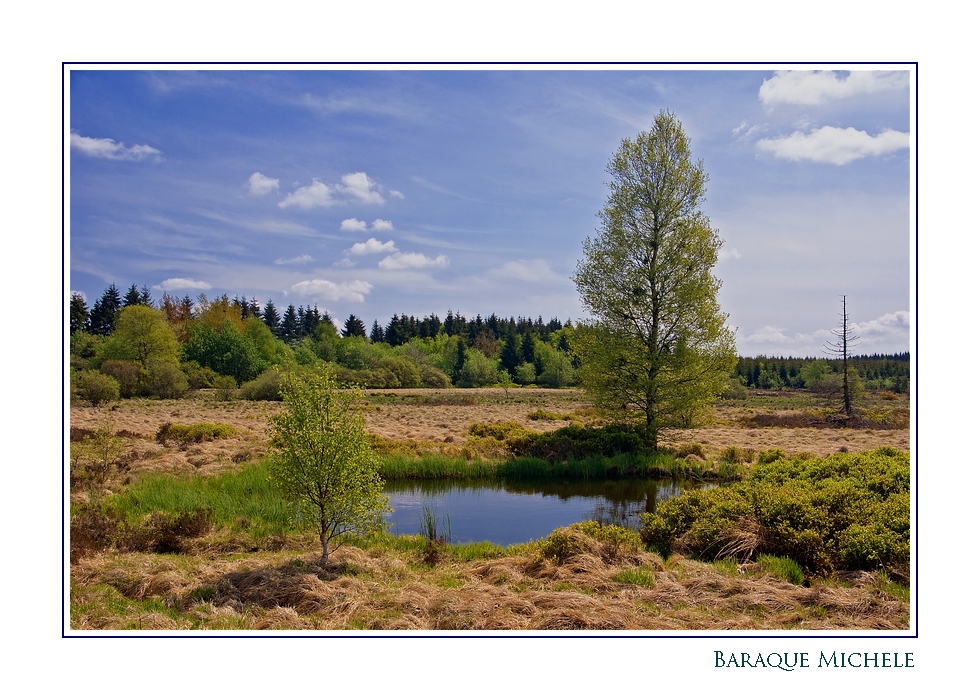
pixel 380 192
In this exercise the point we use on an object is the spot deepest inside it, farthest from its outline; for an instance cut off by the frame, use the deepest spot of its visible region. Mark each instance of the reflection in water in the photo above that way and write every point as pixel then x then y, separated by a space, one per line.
pixel 509 512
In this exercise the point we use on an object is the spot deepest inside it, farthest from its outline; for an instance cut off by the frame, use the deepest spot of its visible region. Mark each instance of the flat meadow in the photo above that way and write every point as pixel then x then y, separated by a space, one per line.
pixel 137 567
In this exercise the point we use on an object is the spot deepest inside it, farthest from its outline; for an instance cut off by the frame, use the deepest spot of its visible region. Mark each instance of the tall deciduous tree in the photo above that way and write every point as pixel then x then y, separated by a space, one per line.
pixel 323 461
pixel 658 347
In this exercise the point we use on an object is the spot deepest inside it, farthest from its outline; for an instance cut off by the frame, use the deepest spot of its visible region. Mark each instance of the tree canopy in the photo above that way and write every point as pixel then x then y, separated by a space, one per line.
pixel 658 347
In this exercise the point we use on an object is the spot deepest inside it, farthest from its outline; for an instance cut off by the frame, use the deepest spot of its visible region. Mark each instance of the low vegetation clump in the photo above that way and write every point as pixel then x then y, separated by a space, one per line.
pixel 844 512
pixel 197 432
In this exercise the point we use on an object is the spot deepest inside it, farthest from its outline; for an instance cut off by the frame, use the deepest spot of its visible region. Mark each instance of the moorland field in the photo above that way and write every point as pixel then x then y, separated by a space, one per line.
pixel 136 566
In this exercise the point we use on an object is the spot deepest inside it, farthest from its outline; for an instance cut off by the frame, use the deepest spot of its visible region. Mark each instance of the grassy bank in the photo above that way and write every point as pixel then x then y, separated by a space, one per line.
pixel 576 579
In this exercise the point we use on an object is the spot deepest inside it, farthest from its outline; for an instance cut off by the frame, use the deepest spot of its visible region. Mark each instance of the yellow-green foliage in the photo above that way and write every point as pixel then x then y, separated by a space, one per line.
pixel 613 541
pixel 506 430
pixel 196 432
pixel 322 460
pixel 847 511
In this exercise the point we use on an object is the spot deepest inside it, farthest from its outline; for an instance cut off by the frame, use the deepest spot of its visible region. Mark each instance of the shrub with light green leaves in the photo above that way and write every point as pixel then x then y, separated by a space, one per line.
pixel 846 511
pixel 95 387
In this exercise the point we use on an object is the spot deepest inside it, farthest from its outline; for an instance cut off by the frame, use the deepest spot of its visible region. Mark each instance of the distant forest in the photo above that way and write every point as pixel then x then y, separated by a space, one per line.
pixel 148 345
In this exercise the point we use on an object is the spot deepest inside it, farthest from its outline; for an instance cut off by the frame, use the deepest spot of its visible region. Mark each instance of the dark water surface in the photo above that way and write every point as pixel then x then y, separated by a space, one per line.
pixel 511 512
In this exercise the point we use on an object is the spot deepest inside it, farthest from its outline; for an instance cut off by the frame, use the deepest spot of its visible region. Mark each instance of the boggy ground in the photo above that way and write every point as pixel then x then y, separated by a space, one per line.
pixel 438 420
pixel 392 587
pixel 228 581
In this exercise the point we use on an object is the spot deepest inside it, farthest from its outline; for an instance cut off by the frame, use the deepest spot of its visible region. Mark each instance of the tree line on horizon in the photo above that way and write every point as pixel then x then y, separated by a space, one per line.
pixel 237 338
pixel 241 339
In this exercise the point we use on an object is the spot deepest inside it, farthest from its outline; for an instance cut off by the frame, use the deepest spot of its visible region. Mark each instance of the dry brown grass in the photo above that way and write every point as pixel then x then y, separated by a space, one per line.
pixel 381 589
pixel 417 421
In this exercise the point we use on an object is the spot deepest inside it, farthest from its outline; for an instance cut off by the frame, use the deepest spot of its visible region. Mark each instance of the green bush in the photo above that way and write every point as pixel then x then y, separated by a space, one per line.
pixel 578 442
pixel 225 387
pixel 198 377
pixel 165 380
pixel 770 456
pixel 265 387
pixel 847 511
pixel 610 542
pixel 128 373
pixel 197 432
pixel 433 378
pixel 95 387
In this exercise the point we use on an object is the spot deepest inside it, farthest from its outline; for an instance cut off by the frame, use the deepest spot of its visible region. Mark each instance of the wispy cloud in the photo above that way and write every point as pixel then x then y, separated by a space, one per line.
pixel 412 261
pixel 834 145
pixel 526 271
pixel 373 246
pixel 818 87
pixel 111 150
pixel 175 283
pixel 325 290
pixel 260 184
pixel 299 259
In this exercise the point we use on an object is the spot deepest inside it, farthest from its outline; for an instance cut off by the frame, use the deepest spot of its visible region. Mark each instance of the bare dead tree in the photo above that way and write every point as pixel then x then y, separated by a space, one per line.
pixel 839 349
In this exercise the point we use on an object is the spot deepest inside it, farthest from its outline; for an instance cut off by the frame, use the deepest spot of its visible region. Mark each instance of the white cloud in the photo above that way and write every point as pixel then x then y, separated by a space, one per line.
pixel 834 145
pixel 110 149
pixel 359 185
pixel 325 290
pixel 353 225
pixel 372 246
pixel 175 283
pixel 260 184
pixel 300 259
pixel 412 261
pixel 358 225
pixel 729 253
pixel 526 271
pixel 316 194
pixel 883 334
pixel 817 87
pixel 81 294
pixel 319 194
pixel 887 326
pixel 396 194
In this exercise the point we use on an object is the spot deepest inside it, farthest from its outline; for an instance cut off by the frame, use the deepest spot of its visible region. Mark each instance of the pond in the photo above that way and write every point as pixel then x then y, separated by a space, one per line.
pixel 511 512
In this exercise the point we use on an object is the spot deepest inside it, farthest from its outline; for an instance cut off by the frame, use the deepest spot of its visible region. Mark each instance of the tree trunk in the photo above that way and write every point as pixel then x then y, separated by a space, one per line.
pixel 324 545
